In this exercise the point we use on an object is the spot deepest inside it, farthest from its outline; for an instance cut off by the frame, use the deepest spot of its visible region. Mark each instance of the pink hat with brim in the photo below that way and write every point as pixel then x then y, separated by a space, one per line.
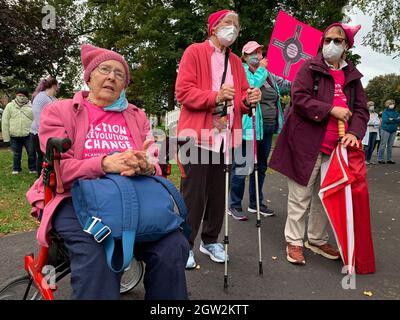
pixel 214 18
pixel 251 46
pixel 350 32
pixel 92 56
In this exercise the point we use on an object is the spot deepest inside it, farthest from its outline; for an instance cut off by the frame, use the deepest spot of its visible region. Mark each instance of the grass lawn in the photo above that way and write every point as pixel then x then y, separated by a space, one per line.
pixel 14 208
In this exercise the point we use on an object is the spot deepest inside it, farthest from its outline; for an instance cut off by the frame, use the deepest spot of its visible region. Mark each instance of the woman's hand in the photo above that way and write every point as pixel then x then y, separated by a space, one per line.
pixel 340 113
pixel 350 139
pixel 129 162
pixel 226 93
pixel 263 63
pixel 253 96
pixel 115 163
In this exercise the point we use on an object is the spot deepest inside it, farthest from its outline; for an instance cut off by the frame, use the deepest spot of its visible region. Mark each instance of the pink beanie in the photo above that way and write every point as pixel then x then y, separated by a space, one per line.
pixel 214 18
pixel 350 32
pixel 92 56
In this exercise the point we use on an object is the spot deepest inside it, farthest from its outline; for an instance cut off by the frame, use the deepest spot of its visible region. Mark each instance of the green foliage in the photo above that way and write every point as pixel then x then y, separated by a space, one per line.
pixel 354 57
pixel 385 34
pixel 27 50
pixel 382 88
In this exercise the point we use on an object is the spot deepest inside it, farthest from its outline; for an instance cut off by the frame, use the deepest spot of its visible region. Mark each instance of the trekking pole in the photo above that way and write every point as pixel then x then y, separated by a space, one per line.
pixel 258 225
pixel 227 170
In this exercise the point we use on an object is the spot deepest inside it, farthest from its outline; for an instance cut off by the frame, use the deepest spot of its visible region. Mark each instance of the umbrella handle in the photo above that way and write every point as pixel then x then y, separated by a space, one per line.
pixel 341 128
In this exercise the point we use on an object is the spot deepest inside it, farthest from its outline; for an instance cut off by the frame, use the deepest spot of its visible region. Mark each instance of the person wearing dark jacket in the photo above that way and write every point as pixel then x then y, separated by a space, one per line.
pixel 311 133
pixel 390 121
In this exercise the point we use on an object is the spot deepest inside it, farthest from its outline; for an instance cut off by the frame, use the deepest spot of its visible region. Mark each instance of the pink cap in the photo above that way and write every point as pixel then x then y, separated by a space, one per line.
pixel 350 32
pixel 92 56
pixel 251 46
pixel 214 18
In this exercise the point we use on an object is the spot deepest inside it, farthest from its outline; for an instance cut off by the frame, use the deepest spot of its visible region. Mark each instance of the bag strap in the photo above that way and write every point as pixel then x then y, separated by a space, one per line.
pixel 225 66
pixel 130 204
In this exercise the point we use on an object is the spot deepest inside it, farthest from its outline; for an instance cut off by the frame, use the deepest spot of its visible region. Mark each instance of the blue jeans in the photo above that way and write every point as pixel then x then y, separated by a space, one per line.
pixel 91 278
pixel 17 143
pixel 241 169
pixel 371 145
pixel 387 140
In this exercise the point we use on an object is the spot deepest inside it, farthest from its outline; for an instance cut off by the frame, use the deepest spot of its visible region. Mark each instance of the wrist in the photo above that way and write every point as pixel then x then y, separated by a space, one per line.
pixel 104 164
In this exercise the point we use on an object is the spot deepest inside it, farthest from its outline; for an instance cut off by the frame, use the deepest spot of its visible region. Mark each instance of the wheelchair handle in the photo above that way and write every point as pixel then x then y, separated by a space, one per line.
pixel 61 145
pixel 54 148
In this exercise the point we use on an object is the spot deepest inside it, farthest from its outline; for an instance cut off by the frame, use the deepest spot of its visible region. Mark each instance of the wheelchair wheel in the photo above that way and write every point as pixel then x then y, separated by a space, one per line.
pixel 132 276
pixel 19 289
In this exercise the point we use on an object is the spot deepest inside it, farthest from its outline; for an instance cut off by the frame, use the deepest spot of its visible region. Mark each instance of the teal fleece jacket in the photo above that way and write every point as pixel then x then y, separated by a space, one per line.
pixel 255 80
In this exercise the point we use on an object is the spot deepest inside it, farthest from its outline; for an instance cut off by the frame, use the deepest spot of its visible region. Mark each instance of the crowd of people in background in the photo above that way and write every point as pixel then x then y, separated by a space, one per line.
pixel 381 133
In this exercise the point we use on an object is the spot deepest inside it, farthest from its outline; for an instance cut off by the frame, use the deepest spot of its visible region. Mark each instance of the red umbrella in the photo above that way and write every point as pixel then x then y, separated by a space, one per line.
pixel 344 195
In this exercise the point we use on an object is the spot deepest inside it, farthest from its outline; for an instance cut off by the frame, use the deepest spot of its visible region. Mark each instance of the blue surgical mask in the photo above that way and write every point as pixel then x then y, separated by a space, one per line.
pixel 118 105
pixel 254 60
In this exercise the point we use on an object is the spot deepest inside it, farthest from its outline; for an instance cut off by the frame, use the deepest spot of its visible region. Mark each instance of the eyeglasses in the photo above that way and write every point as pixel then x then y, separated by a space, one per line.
pixel 335 40
pixel 106 70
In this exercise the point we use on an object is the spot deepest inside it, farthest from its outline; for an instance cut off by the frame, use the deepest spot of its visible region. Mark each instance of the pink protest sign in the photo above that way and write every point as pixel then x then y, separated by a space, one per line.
pixel 292 42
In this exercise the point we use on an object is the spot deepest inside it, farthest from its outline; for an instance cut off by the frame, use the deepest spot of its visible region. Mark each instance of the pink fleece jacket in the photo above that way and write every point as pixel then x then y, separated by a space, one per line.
pixel 68 118
pixel 194 92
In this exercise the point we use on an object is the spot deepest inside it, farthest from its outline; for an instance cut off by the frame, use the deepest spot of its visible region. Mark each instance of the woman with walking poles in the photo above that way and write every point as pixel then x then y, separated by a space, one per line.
pixel 213 90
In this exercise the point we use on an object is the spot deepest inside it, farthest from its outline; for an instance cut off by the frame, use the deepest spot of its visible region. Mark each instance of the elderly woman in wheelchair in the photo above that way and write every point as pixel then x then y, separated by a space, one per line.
pixel 109 136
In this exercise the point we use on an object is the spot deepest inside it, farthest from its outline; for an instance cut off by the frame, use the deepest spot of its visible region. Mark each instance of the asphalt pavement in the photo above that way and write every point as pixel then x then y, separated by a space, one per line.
pixel 320 278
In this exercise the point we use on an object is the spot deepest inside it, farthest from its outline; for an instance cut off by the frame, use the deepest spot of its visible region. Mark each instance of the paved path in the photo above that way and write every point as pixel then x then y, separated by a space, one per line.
pixel 318 279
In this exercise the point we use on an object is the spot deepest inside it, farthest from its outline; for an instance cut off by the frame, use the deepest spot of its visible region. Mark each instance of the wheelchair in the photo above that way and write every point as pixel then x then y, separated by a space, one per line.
pixel 52 263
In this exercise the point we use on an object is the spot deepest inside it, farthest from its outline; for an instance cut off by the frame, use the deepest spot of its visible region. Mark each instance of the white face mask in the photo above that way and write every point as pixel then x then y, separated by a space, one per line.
pixel 227 35
pixel 21 100
pixel 371 108
pixel 332 52
pixel 391 106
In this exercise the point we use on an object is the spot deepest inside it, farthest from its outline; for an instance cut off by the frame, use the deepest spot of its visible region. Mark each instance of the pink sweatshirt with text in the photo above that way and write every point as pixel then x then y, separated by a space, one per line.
pixel 69 118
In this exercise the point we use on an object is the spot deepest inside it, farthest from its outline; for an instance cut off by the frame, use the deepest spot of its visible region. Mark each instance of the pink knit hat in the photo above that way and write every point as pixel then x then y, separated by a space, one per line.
pixel 92 56
pixel 214 18
pixel 251 46
pixel 350 32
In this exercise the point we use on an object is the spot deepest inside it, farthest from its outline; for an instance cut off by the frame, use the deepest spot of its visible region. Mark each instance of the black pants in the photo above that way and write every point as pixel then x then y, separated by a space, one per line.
pixel 17 143
pixel 203 190
pixel 39 153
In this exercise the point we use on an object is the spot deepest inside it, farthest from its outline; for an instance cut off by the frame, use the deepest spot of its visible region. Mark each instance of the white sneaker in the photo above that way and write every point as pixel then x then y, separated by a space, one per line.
pixel 15 172
pixel 215 251
pixel 191 263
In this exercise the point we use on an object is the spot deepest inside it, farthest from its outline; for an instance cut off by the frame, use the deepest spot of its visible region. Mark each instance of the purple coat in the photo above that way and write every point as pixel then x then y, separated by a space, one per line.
pixel 300 141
